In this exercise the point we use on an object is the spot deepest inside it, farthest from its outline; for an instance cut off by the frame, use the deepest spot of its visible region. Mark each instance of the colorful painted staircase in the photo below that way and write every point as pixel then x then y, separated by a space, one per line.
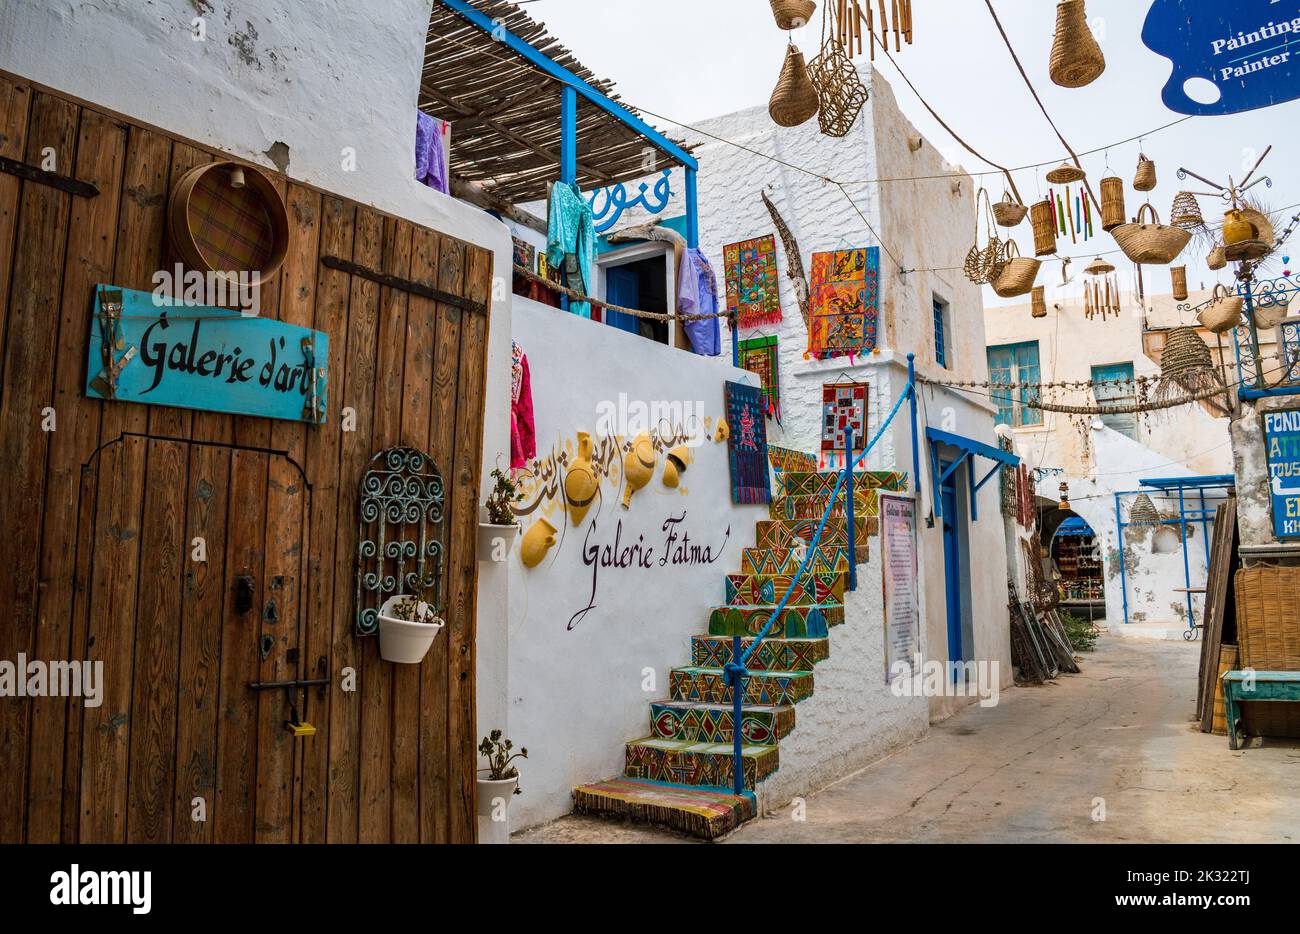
pixel 680 776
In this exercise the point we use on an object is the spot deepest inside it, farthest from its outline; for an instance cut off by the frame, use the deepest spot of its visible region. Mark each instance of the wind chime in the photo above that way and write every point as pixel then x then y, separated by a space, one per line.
pixel 1071 210
pixel 854 15
pixel 1100 290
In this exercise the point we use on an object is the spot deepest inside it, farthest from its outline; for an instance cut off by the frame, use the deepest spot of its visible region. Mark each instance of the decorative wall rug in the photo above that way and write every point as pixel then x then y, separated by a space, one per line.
pixel 783 459
pixel 759 355
pixel 844 302
pixel 844 406
pixel 753 295
pixel 747 445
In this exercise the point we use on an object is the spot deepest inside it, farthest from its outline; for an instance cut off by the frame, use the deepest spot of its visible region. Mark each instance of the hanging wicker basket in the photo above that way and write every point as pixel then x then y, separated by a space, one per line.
pixel 1186 212
pixel 792 14
pixel 840 92
pixel 1145 178
pixel 1143 513
pixel 984 263
pixel 1038 304
pixel 1076 57
pixel 1009 212
pixel 794 99
pixel 1223 313
pixel 1066 174
pixel 1043 220
pixel 1099 267
pixel 1112 203
pixel 1186 366
pixel 1017 276
pixel 1153 244
pixel 1269 316
pixel 1217 259
pixel 1178 282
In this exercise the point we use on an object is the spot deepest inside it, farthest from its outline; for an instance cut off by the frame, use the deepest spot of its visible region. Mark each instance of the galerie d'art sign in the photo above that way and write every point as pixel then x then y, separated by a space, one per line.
pixel 1247 48
pixel 1282 442
pixel 151 349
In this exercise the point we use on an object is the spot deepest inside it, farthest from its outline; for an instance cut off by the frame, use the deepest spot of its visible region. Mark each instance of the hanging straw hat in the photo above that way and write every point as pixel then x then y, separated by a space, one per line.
pixel 1098 267
pixel 1186 367
pixel 1065 173
pixel 1143 513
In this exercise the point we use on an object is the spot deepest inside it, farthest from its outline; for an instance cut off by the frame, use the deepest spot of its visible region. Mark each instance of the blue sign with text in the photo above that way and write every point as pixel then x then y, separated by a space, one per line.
pixel 151 349
pixel 1248 49
pixel 1282 442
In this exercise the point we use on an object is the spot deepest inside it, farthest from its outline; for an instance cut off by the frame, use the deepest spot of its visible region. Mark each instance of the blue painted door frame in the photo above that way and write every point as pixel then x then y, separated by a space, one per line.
pixel 950 517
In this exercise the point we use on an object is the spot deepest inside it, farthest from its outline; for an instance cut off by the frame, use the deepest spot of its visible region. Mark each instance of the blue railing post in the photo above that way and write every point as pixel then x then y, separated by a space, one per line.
pixel 916 445
pixel 737 716
pixel 848 509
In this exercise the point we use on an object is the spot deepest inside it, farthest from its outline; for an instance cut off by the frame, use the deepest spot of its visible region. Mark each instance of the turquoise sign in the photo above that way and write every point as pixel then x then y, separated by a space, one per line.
pixel 1282 441
pixel 1249 50
pixel 148 348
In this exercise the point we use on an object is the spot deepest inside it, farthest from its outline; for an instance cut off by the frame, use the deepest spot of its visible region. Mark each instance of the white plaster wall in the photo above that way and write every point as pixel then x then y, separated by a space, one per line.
pixel 316 76
pixel 578 695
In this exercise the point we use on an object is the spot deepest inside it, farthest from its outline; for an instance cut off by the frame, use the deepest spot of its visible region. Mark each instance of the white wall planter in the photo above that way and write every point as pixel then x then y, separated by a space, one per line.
pixel 403 641
pixel 491 789
pixel 489 535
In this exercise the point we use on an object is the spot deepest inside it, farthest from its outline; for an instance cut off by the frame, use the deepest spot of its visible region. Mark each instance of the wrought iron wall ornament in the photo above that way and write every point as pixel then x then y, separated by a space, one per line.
pixel 400 534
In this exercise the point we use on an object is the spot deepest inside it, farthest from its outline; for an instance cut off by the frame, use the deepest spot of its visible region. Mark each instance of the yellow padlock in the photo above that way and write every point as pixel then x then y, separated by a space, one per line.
pixel 300 729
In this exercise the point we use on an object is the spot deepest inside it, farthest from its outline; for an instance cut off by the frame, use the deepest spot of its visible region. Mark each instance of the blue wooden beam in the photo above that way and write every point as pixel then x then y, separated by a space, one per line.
pixel 568 135
pixel 692 212
pixel 561 74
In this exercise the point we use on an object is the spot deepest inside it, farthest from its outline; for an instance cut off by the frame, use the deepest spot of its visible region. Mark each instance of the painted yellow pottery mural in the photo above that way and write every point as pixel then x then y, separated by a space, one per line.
pixel 723 432
pixel 537 542
pixel 638 466
pixel 580 483
pixel 675 465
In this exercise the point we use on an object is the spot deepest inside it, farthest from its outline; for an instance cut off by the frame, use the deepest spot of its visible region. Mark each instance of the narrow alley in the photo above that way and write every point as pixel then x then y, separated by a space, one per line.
pixel 1031 770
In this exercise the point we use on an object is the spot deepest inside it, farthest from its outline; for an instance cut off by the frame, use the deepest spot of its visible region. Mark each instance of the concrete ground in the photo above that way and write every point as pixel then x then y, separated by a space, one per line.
pixel 1041 767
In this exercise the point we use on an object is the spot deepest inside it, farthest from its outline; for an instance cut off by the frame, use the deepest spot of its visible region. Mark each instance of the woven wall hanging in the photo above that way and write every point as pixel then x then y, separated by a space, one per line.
pixel 845 303
pixel 747 445
pixel 844 406
pixel 753 294
pixel 759 355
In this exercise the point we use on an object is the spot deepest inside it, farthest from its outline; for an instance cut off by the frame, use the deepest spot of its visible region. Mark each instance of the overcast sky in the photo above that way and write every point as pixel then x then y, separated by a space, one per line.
pixel 693 59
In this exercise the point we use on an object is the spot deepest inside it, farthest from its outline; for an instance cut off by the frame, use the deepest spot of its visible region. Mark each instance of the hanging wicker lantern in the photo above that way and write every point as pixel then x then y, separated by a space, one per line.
pixel 1099 267
pixel 1143 513
pixel 1065 174
pixel 1038 306
pixel 1145 178
pixel 1112 203
pixel 792 14
pixel 1043 220
pixel 794 99
pixel 1076 57
pixel 1186 366
pixel 1178 282
pixel 840 92
pixel 1186 212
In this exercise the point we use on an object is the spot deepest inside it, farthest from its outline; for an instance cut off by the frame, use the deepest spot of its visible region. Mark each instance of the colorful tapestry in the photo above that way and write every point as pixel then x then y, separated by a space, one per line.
pixel 758 355
pixel 783 459
pixel 747 445
pixel 844 406
pixel 525 254
pixel 844 301
pixel 752 292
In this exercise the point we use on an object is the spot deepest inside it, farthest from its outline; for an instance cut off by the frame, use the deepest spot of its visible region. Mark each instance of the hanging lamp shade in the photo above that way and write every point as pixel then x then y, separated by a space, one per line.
pixel 794 99
pixel 1099 267
pixel 792 14
pixel 1112 203
pixel 1186 366
pixel 1186 212
pixel 1143 513
pixel 1065 174
pixel 1076 57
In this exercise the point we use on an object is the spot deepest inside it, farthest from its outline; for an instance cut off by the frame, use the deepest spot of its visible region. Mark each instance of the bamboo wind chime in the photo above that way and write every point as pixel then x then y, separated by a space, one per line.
pixel 1100 290
pixel 1071 208
pixel 857 15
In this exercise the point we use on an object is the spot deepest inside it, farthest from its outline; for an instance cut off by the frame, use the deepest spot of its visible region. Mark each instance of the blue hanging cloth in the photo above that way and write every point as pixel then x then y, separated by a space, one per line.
pixel 571 241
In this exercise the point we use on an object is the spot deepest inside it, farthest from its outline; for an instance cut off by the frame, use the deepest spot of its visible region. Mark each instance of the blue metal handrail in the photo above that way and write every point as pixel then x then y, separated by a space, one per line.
pixel 735 671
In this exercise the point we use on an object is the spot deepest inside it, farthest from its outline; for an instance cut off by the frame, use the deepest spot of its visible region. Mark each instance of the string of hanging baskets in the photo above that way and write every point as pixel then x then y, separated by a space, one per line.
pixel 827 87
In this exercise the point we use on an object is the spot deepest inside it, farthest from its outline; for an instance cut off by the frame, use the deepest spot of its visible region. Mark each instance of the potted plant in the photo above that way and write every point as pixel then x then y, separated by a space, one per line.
pixel 408 624
pixel 498 534
pixel 500 780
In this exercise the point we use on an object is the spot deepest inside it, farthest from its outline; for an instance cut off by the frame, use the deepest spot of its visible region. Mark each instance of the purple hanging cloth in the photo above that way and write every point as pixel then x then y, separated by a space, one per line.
pixel 697 294
pixel 429 157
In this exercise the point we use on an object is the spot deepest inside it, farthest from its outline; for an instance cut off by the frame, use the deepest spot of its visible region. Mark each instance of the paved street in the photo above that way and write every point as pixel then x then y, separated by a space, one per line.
pixel 1031 771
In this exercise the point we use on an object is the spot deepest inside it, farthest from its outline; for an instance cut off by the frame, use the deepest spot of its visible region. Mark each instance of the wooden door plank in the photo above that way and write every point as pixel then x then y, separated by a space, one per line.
pixel 25 392
pixel 356 392
pixel 338 219
pixel 15 113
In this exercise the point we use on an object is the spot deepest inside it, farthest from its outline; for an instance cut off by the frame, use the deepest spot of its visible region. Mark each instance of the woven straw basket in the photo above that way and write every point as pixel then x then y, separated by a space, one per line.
pixel 1044 223
pixel 1153 244
pixel 1227 662
pixel 1223 313
pixel 1017 276
pixel 1178 282
pixel 1038 306
pixel 1076 56
pixel 794 99
pixel 1145 178
pixel 1217 258
pixel 791 14
pixel 1112 203
pixel 1268 618
pixel 1009 212
pixel 1066 174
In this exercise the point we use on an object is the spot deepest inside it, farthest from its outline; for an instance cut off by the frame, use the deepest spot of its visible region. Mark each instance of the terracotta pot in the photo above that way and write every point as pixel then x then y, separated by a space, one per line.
pixel 580 483
pixel 537 542
pixel 401 640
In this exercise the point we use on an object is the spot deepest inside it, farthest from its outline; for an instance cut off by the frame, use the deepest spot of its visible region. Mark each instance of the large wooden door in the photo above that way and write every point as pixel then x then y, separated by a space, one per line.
pixel 102 510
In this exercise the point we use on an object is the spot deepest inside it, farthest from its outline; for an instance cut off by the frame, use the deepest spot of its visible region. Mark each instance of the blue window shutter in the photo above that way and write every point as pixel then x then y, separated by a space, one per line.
pixel 940 350
pixel 1015 363
pixel 1106 389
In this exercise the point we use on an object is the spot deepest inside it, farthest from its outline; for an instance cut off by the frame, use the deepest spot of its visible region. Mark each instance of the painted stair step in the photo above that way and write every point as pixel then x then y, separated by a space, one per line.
pixel 761 687
pixel 795 622
pixel 829 560
pixel 691 721
pixel 773 653
pixel 685 763
pixel 802 483
pixel 700 812
pixel 814 507
pixel 809 590
pixel 785 533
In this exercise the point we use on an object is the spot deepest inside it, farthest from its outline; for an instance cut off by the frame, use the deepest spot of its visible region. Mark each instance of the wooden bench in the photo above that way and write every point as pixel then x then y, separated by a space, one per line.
pixel 1239 686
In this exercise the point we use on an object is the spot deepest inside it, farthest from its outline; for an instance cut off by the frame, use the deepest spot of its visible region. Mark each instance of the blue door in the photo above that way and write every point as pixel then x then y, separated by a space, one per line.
pixel 622 287
pixel 951 562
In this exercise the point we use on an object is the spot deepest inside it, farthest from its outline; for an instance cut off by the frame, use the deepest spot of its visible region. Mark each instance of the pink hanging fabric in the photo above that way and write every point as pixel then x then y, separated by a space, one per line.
pixel 523 433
